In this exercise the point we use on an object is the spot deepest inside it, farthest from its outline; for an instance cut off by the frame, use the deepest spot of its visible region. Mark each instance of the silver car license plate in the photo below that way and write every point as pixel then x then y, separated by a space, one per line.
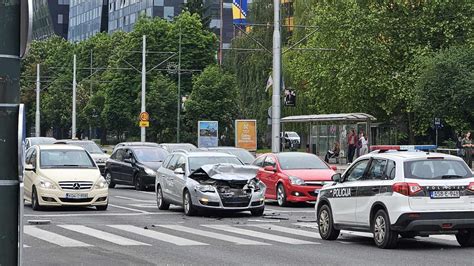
pixel 76 195
pixel 445 194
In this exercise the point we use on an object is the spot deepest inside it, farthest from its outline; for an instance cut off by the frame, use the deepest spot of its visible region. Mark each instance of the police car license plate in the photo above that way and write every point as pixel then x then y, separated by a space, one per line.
pixel 76 195
pixel 444 194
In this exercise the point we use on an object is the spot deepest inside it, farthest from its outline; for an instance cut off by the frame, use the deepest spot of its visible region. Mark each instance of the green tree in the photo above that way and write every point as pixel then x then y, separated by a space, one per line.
pixel 200 8
pixel 213 98
pixel 445 89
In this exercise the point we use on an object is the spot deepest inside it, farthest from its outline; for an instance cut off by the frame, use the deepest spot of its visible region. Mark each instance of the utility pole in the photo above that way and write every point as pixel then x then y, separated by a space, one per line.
pixel 73 129
pixel 143 109
pixel 38 107
pixel 276 78
pixel 178 119
pixel 90 95
pixel 221 32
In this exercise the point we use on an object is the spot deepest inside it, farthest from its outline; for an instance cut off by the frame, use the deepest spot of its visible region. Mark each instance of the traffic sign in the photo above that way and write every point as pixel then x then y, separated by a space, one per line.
pixel 144 116
pixel 144 123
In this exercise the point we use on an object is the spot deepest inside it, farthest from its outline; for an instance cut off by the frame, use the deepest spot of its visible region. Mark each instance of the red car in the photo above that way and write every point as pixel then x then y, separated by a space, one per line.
pixel 292 176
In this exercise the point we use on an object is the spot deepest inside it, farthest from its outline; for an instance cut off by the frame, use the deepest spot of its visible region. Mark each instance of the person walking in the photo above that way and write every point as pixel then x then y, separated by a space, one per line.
pixel 351 141
pixel 364 144
pixel 467 147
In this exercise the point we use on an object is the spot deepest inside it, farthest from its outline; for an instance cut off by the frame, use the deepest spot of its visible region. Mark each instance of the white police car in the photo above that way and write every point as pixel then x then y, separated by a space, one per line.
pixel 391 193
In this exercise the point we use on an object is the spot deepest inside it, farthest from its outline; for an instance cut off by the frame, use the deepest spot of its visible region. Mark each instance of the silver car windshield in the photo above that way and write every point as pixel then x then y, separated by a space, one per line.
pixel 65 159
pixel 197 162
pixel 437 169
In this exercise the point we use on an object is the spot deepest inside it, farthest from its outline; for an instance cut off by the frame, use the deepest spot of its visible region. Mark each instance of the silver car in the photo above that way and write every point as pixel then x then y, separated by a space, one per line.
pixel 208 180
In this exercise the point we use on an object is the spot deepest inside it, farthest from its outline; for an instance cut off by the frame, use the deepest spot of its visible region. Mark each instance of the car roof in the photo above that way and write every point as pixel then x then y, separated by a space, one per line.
pixel 136 143
pixel 74 140
pixel 59 147
pixel 204 154
pixel 409 155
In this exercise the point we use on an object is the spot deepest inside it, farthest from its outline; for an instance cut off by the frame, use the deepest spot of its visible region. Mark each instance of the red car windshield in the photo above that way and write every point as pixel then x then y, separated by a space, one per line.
pixel 297 160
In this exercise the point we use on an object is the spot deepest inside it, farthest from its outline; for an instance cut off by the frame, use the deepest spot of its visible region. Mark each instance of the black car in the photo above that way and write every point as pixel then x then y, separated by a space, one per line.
pixel 134 165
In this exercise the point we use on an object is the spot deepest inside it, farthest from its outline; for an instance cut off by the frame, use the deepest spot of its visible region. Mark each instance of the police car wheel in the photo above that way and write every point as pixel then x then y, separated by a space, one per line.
pixel 326 224
pixel 384 236
pixel 466 238
pixel 281 196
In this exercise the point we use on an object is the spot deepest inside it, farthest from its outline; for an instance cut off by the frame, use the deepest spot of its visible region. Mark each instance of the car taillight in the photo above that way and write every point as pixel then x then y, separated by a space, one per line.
pixel 407 189
pixel 471 186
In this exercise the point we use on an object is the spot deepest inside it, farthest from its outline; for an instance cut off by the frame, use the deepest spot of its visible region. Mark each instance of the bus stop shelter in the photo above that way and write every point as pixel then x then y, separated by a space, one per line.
pixel 322 131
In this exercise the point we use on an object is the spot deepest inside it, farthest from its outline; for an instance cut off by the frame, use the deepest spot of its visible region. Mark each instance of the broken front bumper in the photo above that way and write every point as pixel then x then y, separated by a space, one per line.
pixel 213 200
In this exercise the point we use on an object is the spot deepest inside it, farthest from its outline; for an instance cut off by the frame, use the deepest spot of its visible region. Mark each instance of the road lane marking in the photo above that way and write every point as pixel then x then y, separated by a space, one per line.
pixel 257 234
pixel 444 237
pixel 233 239
pixel 26 246
pixel 101 214
pixel 137 200
pixel 287 230
pixel 147 192
pixel 308 225
pixel 119 240
pixel 295 211
pixel 141 205
pixel 53 237
pixel 158 236
pixel 127 208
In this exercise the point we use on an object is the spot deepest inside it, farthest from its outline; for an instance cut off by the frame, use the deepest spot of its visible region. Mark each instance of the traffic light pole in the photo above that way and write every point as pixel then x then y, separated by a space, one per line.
pixel 276 98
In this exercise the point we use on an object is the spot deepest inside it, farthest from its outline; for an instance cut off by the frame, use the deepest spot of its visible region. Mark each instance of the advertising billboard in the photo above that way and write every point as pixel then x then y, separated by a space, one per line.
pixel 246 134
pixel 208 134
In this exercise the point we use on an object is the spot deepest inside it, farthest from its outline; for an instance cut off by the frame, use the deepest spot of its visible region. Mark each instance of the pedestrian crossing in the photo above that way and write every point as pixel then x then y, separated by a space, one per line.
pixel 252 234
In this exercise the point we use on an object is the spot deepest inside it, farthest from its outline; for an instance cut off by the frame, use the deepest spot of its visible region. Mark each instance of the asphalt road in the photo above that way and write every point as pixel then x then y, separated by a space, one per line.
pixel 134 232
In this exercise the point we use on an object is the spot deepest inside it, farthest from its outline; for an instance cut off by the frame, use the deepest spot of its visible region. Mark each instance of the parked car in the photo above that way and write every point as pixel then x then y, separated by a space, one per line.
pixel 291 140
pixel 37 141
pixel 209 180
pixel 244 155
pixel 63 175
pixel 136 143
pixel 134 165
pixel 292 176
pixel 171 147
pixel 99 155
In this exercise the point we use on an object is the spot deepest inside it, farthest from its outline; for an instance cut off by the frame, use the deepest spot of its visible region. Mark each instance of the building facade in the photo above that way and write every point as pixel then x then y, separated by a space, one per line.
pixel 87 18
pixel 50 17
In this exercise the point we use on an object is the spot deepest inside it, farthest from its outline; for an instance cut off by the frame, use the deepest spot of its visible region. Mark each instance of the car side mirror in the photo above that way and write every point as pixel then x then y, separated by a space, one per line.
pixel 336 178
pixel 30 167
pixel 333 167
pixel 179 171
pixel 269 168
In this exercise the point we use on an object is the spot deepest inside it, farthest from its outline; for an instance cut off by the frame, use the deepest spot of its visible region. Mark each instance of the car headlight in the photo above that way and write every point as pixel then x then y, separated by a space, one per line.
pixel 46 184
pixel 149 171
pixel 296 181
pixel 102 183
pixel 206 188
pixel 256 185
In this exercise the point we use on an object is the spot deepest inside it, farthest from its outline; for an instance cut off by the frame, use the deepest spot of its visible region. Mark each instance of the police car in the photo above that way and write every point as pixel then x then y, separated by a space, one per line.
pixel 390 192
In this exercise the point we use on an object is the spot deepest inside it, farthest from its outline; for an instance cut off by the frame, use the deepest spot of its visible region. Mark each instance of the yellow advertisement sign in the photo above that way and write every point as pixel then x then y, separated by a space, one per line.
pixel 246 134
pixel 144 124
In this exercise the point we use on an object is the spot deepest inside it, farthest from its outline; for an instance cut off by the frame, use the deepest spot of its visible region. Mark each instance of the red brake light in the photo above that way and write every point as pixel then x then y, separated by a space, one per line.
pixel 407 189
pixel 471 186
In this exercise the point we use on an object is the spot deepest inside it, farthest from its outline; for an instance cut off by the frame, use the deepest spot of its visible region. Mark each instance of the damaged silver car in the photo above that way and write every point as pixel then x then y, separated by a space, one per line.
pixel 209 180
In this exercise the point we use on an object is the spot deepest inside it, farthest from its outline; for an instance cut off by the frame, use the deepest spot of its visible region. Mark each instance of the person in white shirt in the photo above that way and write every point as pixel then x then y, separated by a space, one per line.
pixel 364 149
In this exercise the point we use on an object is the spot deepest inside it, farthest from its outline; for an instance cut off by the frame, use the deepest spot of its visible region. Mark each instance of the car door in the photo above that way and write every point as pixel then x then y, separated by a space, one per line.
pixel 161 174
pixel 179 181
pixel 270 177
pixel 128 167
pixel 169 177
pixel 369 189
pixel 343 201
pixel 28 177
pixel 115 165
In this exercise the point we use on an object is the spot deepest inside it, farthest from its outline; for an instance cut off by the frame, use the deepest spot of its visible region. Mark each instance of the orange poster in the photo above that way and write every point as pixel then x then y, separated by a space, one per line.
pixel 246 134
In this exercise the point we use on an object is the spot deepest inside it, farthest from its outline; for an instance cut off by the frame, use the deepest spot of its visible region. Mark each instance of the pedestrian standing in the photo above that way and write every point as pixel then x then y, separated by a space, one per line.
pixel 351 141
pixel 364 144
pixel 460 150
pixel 467 147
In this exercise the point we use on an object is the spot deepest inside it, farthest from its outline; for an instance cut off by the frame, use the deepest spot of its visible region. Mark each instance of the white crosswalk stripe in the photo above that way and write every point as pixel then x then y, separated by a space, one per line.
pixel 158 235
pixel 228 238
pixel 288 230
pixel 444 237
pixel 257 234
pixel 53 237
pixel 119 240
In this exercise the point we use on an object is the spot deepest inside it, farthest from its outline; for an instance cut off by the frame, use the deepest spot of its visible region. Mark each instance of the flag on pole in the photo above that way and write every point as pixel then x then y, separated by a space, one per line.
pixel 269 83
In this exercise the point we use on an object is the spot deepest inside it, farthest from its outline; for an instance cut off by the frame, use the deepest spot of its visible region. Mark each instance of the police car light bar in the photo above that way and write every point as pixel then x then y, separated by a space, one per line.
pixel 403 147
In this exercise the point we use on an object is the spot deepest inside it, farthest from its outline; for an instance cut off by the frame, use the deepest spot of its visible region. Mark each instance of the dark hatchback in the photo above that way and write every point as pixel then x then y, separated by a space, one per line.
pixel 134 165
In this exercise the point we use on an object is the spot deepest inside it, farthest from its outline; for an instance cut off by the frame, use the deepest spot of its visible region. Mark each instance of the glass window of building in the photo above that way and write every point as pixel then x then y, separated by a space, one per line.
pixel 158 3
pixel 168 12
pixel 60 19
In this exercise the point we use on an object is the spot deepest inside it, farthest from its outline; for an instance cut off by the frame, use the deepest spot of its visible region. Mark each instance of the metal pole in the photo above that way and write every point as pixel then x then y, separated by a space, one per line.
pixel 436 136
pixel 38 107
pixel 73 130
pixel 178 117
pixel 276 78
pixel 143 129
pixel 221 32
pixel 90 95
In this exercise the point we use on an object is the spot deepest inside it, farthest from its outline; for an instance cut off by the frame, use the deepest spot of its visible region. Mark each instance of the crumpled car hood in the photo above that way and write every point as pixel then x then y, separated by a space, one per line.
pixel 227 172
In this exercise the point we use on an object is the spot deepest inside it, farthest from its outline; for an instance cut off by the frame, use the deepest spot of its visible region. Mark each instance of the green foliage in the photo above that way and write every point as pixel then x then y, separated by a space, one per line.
pixel 198 7
pixel 445 89
pixel 213 98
